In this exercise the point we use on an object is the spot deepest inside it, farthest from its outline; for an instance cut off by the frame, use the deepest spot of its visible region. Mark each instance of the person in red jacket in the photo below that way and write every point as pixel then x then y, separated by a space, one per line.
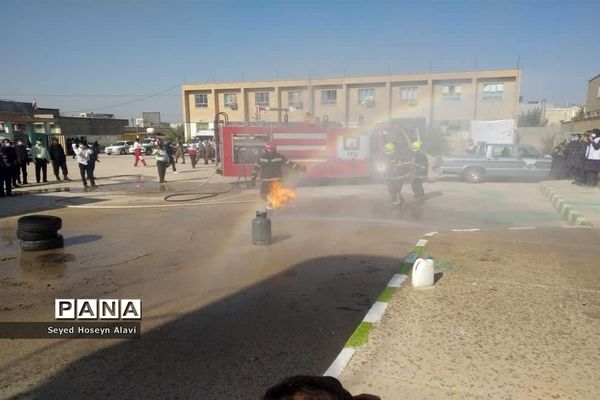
pixel 137 153
pixel 193 153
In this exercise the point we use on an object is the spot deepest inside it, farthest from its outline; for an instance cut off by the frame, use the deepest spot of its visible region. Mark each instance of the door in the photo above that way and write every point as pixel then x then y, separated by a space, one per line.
pixel 532 161
pixel 502 161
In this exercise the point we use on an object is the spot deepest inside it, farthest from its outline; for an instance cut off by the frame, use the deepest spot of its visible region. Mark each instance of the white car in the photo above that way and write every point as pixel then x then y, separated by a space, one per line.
pixel 121 147
pixel 148 146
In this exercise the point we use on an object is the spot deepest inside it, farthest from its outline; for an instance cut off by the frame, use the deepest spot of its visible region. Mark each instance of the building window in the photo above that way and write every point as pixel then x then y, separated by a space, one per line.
pixel 295 100
pixel 329 96
pixel 451 92
pixel 493 91
pixel 598 95
pixel 261 99
pixel 409 93
pixel 366 97
pixel 201 126
pixel 451 127
pixel 201 100
pixel 230 100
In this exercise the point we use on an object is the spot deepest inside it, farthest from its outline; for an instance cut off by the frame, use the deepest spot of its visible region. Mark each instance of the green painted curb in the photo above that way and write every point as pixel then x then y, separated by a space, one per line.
pixel 386 295
pixel 360 335
pixel 565 210
pixel 405 268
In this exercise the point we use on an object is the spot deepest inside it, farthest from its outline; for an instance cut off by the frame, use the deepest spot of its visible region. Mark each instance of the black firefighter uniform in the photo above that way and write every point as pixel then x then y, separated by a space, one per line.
pixel 270 167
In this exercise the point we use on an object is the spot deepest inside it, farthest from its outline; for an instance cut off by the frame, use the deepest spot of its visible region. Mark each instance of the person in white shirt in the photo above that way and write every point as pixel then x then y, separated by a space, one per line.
pixel 84 153
pixel 138 153
pixel 592 162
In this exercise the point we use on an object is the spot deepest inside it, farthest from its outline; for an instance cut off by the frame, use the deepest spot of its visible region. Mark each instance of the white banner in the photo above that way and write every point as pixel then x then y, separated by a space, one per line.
pixel 500 132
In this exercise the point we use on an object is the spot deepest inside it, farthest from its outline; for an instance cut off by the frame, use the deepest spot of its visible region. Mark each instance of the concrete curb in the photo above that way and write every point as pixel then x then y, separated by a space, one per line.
pixel 361 333
pixel 565 210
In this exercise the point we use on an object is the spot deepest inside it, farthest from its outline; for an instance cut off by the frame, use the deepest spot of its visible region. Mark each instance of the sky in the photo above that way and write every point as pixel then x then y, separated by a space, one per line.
pixel 126 57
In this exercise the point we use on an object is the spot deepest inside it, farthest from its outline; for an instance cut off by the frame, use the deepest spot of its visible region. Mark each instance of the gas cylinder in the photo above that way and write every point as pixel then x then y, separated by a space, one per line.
pixel 423 272
pixel 261 229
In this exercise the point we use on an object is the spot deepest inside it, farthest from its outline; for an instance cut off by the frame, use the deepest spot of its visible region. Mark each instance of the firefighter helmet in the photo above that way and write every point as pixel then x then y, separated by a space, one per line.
pixel 270 146
pixel 416 145
pixel 390 148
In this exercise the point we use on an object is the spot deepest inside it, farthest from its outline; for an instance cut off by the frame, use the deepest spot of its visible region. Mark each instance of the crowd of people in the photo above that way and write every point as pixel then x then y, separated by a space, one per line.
pixel 578 159
pixel 15 158
pixel 168 154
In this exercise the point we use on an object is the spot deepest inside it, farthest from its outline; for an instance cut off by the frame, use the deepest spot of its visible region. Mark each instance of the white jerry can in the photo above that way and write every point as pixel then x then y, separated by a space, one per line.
pixel 423 272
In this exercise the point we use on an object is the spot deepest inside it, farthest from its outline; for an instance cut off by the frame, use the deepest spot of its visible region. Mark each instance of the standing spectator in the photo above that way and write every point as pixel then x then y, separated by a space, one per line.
pixel 11 154
pixel 41 159
pixel 162 161
pixel 179 152
pixel 74 146
pixel 592 162
pixel 5 174
pixel 68 146
pixel 213 150
pixel 83 153
pixel 22 162
pixel 59 159
pixel 576 158
pixel 169 150
pixel 207 151
pixel 558 168
pixel 471 148
pixel 95 156
pixel 193 153
pixel 137 153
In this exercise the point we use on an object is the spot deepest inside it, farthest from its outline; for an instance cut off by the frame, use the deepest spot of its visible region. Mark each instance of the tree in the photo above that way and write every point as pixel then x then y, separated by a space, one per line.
pixel 175 134
pixel 531 118
pixel 580 114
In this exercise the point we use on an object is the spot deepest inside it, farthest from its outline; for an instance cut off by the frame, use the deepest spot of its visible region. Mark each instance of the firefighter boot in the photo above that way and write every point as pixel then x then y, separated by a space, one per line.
pixel 397 202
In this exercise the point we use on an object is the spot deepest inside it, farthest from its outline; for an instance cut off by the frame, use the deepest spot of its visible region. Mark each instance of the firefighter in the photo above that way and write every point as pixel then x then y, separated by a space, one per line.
pixel 401 168
pixel 270 166
pixel 421 166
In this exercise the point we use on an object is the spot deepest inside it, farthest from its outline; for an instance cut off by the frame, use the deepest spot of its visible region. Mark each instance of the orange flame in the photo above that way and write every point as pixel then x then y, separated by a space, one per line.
pixel 279 195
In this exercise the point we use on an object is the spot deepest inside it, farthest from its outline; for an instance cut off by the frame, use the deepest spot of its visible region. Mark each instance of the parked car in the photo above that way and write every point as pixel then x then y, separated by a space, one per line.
pixel 148 146
pixel 121 147
pixel 498 160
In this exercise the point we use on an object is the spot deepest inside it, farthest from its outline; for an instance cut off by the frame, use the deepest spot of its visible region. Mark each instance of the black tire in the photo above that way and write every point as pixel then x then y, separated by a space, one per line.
pixel 39 245
pixel 148 151
pixel 473 175
pixel 122 152
pixel 28 236
pixel 39 223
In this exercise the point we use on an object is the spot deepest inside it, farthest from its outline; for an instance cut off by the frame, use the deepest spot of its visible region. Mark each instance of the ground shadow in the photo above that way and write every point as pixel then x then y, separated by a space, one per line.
pixel 293 323
pixel 280 238
pixel 30 203
pixel 81 239
pixel 437 276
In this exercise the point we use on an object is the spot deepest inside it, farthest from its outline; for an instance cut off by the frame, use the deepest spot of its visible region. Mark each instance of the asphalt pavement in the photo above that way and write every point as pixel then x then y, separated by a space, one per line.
pixel 222 318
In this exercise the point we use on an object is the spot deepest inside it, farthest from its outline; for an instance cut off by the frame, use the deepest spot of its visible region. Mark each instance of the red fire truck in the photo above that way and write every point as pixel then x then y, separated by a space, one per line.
pixel 327 152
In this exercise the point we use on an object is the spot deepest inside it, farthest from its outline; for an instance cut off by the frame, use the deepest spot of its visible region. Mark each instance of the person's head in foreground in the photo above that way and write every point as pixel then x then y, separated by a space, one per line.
pixel 304 387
